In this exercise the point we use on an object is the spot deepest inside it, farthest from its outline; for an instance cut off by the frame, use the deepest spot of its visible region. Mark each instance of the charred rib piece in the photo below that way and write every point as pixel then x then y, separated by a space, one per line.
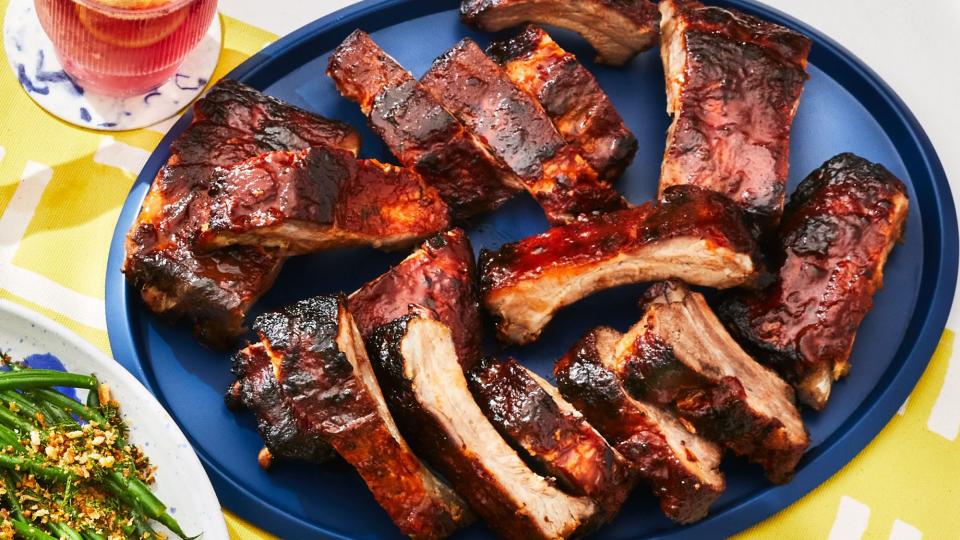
pixel 733 87
pixel 418 130
pixel 680 355
pixel 317 199
pixel 518 131
pixel 579 108
pixel 214 290
pixel 416 362
pixel 440 276
pixel 690 234
pixel 318 355
pixel 532 415
pixel 258 390
pixel 681 468
pixel 617 29
pixel 838 229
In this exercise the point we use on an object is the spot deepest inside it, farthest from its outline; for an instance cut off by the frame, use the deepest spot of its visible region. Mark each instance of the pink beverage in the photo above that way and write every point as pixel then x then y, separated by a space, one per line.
pixel 124 47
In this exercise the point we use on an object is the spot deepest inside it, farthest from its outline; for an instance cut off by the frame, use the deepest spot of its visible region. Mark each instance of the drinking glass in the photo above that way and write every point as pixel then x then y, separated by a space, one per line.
pixel 124 47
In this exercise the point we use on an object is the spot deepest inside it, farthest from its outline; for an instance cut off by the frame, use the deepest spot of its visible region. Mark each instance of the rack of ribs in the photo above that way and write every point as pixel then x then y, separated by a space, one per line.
pixel 518 131
pixel 214 290
pixel 441 275
pixel 617 29
pixel 419 131
pixel 733 87
pixel 681 468
pixel 679 355
pixel 581 111
pixel 836 234
pixel 425 387
pixel 322 366
pixel 317 199
pixel 690 233
pixel 531 414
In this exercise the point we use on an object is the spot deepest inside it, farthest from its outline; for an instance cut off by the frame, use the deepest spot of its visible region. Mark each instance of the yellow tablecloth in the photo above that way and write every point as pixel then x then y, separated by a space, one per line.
pixel 61 190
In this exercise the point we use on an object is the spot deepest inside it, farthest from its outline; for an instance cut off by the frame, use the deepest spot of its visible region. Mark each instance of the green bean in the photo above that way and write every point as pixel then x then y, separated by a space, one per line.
pixel 93 535
pixel 15 463
pixel 62 530
pixel 9 438
pixel 93 397
pixel 9 481
pixel 22 403
pixel 30 532
pixel 13 421
pixel 65 402
pixel 44 378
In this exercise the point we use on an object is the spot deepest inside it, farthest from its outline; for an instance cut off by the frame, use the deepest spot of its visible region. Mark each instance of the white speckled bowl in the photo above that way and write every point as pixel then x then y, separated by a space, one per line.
pixel 181 481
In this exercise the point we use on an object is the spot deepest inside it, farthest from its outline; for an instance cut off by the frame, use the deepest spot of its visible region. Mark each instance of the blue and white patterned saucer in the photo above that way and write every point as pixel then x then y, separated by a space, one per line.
pixel 36 66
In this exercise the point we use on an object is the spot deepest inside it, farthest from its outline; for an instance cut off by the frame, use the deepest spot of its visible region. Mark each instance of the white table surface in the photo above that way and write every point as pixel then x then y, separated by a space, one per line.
pixel 913 46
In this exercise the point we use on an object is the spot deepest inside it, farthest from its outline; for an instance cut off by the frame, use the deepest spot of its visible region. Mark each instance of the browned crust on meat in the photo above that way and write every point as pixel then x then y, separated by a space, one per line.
pixel 837 232
pixel 691 234
pixel 617 29
pixel 733 86
pixel 441 276
pixel 418 130
pixel 230 124
pixel 534 418
pixel 517 130
pixel 580 109
pixel 685 476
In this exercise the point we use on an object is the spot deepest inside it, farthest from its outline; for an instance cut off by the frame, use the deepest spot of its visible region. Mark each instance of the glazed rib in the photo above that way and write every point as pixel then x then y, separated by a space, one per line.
pixel 581 111
pixel 733 87
pixel 835 237
pixel 416 362
pixel 681 468
pixel 418 130
pixel 680 355
pixel 617 29
pixel 440 275
pixel 214 290
pixel 258 390
pixel 517 131
pixel 318 199
pixel 321 363
pixel 690 234
pixel 530 414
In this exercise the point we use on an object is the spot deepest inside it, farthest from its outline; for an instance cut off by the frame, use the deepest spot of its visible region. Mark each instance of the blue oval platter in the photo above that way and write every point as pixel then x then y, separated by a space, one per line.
pixel 845 107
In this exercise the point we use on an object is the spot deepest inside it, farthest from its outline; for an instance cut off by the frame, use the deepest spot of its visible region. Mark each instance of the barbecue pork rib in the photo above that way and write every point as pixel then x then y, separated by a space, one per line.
pixel 416 362
pixel 680 355
pixel 532 415
pixel 214 290
pixel 733 87
pixel 418 130
pixel 318 199
pixel 441 275
pixel 581 111
pixel 690 233
pixel 258 390
pixel 617 29
pixel 320 361
pixel 837 231
pixel 518 131
pixel 681 468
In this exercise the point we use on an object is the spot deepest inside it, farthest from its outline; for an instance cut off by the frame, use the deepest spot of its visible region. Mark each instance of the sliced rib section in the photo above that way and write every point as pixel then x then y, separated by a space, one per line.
pixel 680 355
pixel 549 432
pixel 517 130
pixel 617 29
pixel 419 131
pixel 681 468
pixel 733 87
pixel 835 237
pixel 214 290
pixel 318 199
pixel 690 234
pixel 441 276
pixel 426 389
pixel 581 111
pixel 323 368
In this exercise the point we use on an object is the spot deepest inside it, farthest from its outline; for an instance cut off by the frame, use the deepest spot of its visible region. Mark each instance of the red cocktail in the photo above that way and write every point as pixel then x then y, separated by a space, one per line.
pixel 124 47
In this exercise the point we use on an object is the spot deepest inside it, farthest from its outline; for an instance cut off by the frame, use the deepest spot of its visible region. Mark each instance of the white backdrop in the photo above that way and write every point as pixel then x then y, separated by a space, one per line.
pixel 914 46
